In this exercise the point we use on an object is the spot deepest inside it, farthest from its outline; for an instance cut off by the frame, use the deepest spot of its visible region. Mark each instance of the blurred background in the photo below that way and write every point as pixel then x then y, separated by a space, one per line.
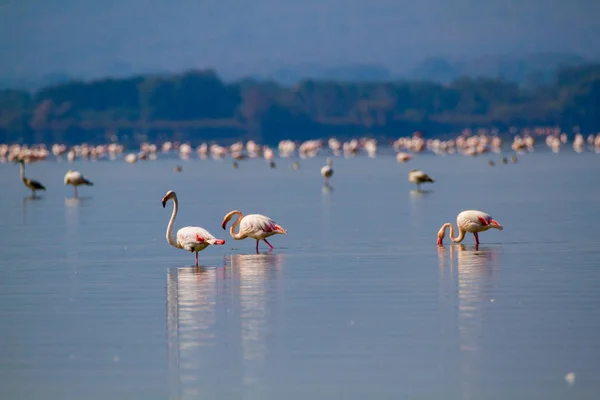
pixel 130 71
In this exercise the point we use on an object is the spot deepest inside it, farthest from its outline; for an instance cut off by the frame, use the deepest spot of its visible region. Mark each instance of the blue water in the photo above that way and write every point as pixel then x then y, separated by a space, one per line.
pixel 356 301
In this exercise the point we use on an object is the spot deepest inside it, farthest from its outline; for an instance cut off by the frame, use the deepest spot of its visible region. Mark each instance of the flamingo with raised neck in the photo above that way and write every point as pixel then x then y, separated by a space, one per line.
pixel 30 183
pixel 190 238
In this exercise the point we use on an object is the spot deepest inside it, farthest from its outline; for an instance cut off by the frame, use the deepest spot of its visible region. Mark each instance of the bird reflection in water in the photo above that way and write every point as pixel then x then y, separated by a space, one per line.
pixel 25 203
pixel 467 286
pixel 418 194
pixel 217 322
pixel 73 207
pixel 75 202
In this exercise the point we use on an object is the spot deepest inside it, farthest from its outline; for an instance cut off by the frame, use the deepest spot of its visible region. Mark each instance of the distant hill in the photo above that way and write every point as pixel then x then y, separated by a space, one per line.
pixel 198 106
pixel 291 75
pixel 33 83
pixel 532 69
pixel 536 68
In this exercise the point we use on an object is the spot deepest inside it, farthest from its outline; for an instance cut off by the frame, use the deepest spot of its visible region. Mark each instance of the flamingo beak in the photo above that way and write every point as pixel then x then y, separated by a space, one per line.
pixel 496 224
pixel 439 241
pixel 164 202
pixel 224 224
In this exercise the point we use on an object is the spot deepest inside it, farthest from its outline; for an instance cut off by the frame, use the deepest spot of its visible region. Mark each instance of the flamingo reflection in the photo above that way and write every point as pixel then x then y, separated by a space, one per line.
pixel 217 321
pixel 468 288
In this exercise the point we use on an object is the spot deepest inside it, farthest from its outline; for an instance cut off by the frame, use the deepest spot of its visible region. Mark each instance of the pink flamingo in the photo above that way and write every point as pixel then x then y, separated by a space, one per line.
pixel 255 226
pixel 472 221
pixel 190 238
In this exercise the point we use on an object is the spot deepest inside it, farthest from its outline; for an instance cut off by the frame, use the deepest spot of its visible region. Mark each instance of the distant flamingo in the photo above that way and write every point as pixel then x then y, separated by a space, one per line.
pixel 190 238
pixel 419 177
pixel 255 226
pixel 327 170
pixel 471 221
pixel 74 178
pixel 30 183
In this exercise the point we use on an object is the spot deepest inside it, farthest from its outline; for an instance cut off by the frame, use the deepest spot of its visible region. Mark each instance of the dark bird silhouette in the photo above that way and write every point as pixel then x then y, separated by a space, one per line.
pixel 30 183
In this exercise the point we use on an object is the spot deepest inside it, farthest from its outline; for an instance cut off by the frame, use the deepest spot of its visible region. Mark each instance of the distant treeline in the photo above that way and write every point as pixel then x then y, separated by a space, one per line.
pixel 198 106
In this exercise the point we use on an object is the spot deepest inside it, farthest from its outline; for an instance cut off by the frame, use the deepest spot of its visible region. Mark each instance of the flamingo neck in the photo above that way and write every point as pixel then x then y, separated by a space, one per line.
pixel 461 233
pixel 170 238
pixel 238 235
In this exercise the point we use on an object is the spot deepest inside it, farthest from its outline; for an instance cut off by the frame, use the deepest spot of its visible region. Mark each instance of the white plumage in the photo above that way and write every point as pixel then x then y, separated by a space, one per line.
pixel 327 170
pixel 418 177
pixel 74 178
pixel 190 238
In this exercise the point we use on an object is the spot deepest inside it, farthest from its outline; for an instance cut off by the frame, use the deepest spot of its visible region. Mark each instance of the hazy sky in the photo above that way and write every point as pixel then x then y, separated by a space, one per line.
pixel 257 36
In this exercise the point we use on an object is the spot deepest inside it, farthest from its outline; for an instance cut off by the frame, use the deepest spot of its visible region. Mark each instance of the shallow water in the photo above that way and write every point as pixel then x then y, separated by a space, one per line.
pixel 356 301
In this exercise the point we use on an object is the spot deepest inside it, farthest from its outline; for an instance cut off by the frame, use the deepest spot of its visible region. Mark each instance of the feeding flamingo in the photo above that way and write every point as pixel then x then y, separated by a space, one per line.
pixel 471 221
pixel 419 177
pixel 190 238
pixel 255 226
pixel 74 178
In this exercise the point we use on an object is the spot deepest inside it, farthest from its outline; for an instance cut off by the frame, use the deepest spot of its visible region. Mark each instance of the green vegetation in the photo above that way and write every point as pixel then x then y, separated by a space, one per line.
pixel 198 106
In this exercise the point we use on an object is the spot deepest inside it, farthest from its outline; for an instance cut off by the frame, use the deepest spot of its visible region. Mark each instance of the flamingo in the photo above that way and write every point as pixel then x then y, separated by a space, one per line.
pixel 327 170
pixel 74 178
pixel 190 238
pixel 419 177
pixel 30 183
pixel 255 226
pixel 472 221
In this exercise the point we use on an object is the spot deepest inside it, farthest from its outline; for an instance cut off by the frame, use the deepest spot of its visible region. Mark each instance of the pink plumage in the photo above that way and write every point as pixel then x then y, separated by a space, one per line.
pixel 255 226
pixel 469 221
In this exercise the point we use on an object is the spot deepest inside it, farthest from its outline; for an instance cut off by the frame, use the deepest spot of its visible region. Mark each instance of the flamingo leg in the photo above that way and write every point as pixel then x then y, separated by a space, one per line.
pixel 476 238
pixel 256 246
pixel 269 244
pixel 75 187
pixel 196 259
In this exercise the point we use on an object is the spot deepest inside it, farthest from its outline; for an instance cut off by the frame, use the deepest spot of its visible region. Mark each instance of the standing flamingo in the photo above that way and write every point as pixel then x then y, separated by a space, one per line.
pixel 472 221
pixel 255 226
pixel 74 178
pixel 327 170
pixel 419 177
pixel 30 183
pixel 190 238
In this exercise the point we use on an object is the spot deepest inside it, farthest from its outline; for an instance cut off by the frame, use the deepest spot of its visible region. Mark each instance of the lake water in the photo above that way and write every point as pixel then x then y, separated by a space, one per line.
pixel 356 302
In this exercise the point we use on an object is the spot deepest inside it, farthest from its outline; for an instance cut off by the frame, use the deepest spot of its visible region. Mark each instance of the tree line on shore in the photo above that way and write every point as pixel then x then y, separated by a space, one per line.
pixel 198 106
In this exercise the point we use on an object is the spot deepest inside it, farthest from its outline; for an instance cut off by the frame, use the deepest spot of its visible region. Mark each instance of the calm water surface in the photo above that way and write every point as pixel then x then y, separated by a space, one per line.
pixel 356 302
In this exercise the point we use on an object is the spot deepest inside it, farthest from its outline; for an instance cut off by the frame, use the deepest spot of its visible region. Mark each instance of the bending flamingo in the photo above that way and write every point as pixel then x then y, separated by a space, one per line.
pixel 255 226
pixel 30 183
pixel 419 177
pixel 471 221
pixel 190 238
pixel 74 178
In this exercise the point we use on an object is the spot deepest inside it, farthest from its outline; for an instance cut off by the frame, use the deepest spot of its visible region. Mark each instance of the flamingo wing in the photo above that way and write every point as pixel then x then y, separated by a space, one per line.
pixel 473 220
pixel 195 236
pixel 417 176
pixel 72 176
pixel 326 171
pixel 258 224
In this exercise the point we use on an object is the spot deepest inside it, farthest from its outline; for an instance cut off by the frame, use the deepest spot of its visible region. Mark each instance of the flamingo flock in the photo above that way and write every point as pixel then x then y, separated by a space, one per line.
pixel 260 227
pixel 469 143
